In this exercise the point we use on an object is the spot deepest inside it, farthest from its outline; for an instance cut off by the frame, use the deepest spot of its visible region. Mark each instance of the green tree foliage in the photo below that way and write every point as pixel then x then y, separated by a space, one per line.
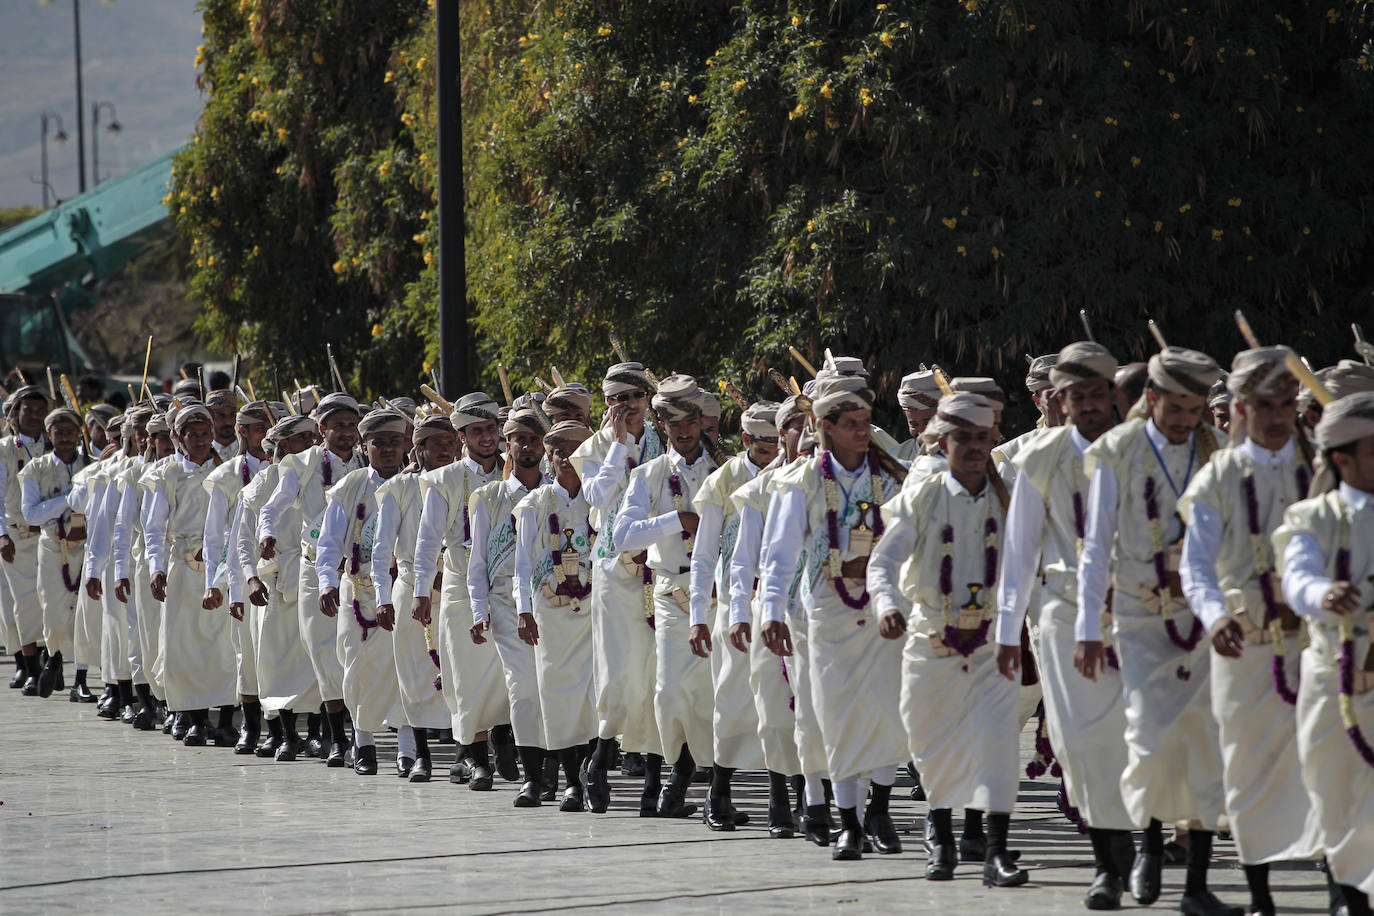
pixel 295 194
pixel 939 181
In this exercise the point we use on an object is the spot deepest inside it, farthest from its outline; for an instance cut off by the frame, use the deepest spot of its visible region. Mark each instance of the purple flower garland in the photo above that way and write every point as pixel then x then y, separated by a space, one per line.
pixel 66 571
pixel 566 587
pixel 1162 582
pixel 1044 760
pixel 355 565
pixel 832 527
pixel 1347 662
pixel 1070 813
pixel 1272 615
pixel 951 635
pixel 243 474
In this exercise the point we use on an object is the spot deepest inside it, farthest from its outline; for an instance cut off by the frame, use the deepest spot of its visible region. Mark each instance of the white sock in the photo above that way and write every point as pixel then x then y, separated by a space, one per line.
pixel 815 789
pixel 83 667
pixel 846 792
pixel 361 738
pixel 405 742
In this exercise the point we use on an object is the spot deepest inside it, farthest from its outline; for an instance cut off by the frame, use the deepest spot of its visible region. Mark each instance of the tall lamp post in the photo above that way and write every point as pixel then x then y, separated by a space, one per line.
pixel 80 96
pixel 47 118
pixel 114 127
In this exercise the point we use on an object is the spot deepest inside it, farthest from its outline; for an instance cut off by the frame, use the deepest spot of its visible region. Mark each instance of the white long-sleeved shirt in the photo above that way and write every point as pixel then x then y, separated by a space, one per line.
pixel 333 549
pixel 1095 566
pixel 39 511
pixel 289 491
pixel 384 550
pixel 429 539
pixel 1305 581
pixel 218 519
pixel 744 563
pixel 603 482
pixel 1202 543
pixel 156 513
pixel 635 530
pixel 128 518
pixel 479 584
pixel 31 448
pixel 1021 549
pixel 100 534
pixel 706 555
pixel 524 553
pixel 97 523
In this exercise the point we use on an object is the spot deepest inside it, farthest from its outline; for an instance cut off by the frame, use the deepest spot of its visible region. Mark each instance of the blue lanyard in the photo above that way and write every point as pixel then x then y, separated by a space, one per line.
pixel 1192 453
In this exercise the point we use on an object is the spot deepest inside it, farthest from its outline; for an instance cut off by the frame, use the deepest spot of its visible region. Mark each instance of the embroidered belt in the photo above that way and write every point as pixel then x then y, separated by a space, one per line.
pixel 27 531
pixel 76 530
pixel 194 560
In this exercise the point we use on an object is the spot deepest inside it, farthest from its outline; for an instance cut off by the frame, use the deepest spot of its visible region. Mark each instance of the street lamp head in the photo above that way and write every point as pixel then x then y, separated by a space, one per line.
pixel 60 136
pixel 115 127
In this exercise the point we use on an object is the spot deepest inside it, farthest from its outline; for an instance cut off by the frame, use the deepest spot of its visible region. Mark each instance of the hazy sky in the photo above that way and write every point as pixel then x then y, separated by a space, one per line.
pixel 136 54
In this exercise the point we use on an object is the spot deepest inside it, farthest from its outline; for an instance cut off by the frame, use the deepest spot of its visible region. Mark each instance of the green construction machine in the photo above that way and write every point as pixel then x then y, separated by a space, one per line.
pixel 51 265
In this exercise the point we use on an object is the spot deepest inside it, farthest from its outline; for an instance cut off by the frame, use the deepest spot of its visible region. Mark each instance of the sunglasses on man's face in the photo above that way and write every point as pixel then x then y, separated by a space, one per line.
pixel 627 396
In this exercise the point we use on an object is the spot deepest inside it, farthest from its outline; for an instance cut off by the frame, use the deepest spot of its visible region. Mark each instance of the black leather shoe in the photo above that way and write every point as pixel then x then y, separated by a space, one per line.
pixel 422 769
pixel 1000 870
pixel 1105 894
pixel 718 815
pixel 80 693
pixel 1207 904
pixel 169 723
pixel 940 865
pixel 111 695
pixel 883 834
pixel 648 799
pixel 314 747
pixel 528 796
pixel 110 712
pixel 973 848
pixel 818 824
pixel 633 765
pixel 20 675
pixel 195 736
pixel 269 747
pixel 248 742
pixel 337 753
pixel 404 766
pixel 596 787
pixel 181 724
pixel 507 764
pixel 671 803
pixel 47 681
pixel 30 688
pixel 848 846
pixel 288 748
pixel 225 736
pixel 1145 877
pixel 928 835
pixel 142 721
pixel 365 761
pixel 549 780
pixel 781 825
pixel 127 716
pixel 459 772
pixel 572 800
pixel 481 779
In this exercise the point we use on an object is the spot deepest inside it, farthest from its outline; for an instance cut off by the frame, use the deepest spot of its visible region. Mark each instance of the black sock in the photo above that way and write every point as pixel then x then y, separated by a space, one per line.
pixel 1103 851
pixel 80 679
pixel 501 735
pixel 126 693
pixel 19 662
pixel 1257 877
pixel 421 742
pixel 252 716
pixel 798 789
pixel 145 697
pixel 479 753
pixel 287 718
pixel 1356 900
pixel 720 781
pixel 943 822
pixel 973 823
pixel 312 724
pixel 653 772
pixel 335 723
pixel 532 761
pixel 605 753
pixel 571 759
pixel 849 819
pixel 779 795
pixel 1199 857
pixel 275 729
pixel 226 717
pixel 998 825
pixel 1154 838
pixel 877 803
pixel 684 766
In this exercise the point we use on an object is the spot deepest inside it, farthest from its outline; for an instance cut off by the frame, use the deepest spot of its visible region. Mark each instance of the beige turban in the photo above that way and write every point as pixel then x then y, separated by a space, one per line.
pixel 709 404
pixel 382 421
pixel 25 393
pixel 1261 373
pixel 307 398
pixel 191 413
pixel 844 366
pixel 918 391
pixel 157 423
pixel 333 403
pixel 1081 361
pixel 961 410
pixel 476 407
pixel 405 405
pixel 186 388
pixel 837 393
pixel 62 414
pixel 569 397
pixel 678 398
pixel 222 396
pixel 114 424
pixel 1218 394
pixel 1346 420
pixel 526 420
pixel 1178 370
pixel 568 432
pixel 1038 375
pixel 760 420
pixel 1349 377
pixel 977 384
pixel 287 427
pixel 255 412
pixel 624 377
pixel 101 413
pixel 432 425
pixel 787 410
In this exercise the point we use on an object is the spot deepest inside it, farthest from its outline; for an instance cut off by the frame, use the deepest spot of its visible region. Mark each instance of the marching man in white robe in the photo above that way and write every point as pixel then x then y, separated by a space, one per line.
pixel 937 565
pixel 826 513
pixel 26 408
pixel 348 589
pixel 1139 470
pixel 918 397
pixel 1327 546
pixel 1086 718
pixel 657 516
pixel 735 720
pixel 1232 507
pixel 417 655
pixel 553 587
pixel 623 650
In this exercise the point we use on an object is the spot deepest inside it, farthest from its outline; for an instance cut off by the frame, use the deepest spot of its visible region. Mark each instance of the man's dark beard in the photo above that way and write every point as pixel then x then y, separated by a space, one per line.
pixel 528 462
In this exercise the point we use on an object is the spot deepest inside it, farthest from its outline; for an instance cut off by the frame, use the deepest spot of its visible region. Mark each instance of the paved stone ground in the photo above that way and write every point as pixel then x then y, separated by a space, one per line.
pixel 98 817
